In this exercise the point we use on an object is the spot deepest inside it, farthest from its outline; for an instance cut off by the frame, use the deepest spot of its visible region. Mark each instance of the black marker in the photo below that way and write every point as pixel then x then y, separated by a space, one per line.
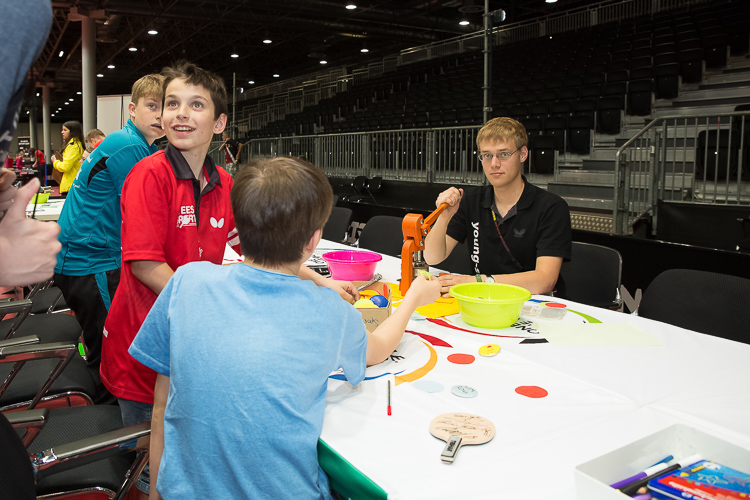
pixel 631 489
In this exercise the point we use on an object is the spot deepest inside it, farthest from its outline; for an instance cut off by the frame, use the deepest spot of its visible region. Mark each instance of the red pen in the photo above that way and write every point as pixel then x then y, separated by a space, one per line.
pixel 389 396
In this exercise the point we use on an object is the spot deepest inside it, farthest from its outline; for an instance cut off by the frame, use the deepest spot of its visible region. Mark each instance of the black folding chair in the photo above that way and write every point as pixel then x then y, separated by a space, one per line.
pixel 593 274
pixel 68 452
pixel 337 224
pixel 41 375
pixel 702 301
pixel 383 234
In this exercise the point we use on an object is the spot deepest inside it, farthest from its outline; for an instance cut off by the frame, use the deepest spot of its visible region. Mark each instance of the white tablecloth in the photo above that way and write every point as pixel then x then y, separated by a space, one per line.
pixel 49 211
pixel 599 398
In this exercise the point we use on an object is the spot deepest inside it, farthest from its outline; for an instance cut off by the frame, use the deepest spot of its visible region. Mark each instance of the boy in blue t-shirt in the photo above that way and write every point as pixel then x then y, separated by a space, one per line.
pixel 243 375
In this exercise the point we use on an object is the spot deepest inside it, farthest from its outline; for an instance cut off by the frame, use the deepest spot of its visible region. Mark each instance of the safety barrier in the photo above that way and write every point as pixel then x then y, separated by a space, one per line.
pixel 695 159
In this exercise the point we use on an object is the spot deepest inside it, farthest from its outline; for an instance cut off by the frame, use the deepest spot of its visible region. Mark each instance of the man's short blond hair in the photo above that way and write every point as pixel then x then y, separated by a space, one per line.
pixel 148 86
pixel 503 129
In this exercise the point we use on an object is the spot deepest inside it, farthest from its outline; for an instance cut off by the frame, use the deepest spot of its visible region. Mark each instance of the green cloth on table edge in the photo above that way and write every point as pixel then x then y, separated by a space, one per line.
pixel 346 479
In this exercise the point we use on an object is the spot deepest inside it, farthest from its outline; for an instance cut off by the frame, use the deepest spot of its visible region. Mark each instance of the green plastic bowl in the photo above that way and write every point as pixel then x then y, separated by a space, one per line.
pixel 490 305
pixel 43 197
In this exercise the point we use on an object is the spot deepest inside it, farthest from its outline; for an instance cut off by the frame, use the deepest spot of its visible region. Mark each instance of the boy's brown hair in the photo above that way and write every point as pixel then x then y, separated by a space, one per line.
pixel 194 75
pixel 278 204
pixel 148 86
pixel 503 129
pixel 94 132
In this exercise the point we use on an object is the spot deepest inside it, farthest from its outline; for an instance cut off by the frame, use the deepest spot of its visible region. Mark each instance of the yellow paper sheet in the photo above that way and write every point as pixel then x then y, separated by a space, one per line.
pixel 440 308
pixel 595 334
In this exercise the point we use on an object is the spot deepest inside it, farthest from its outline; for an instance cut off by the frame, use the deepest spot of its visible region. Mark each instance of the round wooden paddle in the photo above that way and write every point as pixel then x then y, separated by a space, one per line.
pixel 458 429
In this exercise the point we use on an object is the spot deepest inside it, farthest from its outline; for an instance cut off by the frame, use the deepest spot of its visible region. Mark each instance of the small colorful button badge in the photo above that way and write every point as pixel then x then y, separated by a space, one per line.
pixel 489 350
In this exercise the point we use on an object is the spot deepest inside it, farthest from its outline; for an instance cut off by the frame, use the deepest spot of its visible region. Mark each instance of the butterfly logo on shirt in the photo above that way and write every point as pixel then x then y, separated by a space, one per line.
pixel 217 224
pixel 518 233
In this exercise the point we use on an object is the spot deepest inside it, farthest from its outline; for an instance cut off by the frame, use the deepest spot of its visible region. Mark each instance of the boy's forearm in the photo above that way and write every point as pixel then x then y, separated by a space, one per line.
pixel 306 273
pixel 153 274
pixel 386 337
pixel 161 390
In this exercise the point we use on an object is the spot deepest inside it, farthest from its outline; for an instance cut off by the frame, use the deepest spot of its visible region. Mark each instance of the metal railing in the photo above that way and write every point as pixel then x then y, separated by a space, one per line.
pixel 694 159
pixel 444 155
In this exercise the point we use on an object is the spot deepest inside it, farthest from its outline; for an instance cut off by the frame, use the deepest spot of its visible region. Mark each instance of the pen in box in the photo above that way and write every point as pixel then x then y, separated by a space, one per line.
pixel 632 488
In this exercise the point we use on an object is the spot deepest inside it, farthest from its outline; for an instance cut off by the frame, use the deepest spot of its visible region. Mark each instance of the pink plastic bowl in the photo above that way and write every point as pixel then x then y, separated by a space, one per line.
pixel 352 265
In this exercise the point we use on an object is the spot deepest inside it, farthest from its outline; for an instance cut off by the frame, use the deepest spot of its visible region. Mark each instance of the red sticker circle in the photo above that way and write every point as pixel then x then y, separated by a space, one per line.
pixel 555 304
pixel 461 359
pixel 531 391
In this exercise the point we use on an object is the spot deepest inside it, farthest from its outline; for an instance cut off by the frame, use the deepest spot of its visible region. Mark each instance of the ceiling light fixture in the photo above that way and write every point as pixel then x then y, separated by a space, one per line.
pixel 100 75
pixel 351 6
pixel 267 40
pixel 463 22
pixel 79 92
pixel 251 82
pixel 71 99
pixel 276 75
pixel 235 55
pixel 364 50
pixel 62 53
pixel 133 49
pixel 111 66
pixel 323 61
pixel 551 1
pixel 67 103
pixel 153 32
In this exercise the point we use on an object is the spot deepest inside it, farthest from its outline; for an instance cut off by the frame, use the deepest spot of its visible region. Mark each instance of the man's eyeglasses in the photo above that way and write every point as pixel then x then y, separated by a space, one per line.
pixel 500 156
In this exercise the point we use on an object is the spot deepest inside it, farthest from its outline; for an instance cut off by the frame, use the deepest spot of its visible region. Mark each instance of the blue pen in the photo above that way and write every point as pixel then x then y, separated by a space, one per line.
pixel 664 460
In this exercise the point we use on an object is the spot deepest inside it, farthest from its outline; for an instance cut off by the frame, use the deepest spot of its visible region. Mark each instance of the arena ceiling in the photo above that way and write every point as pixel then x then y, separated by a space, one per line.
pixel 209 32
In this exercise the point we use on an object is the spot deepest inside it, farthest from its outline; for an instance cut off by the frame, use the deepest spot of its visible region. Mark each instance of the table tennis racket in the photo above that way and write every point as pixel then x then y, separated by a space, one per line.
pixel 458 429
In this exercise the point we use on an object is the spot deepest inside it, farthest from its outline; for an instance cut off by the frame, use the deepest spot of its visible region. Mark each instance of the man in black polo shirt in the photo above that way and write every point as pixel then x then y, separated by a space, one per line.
pixel 517 233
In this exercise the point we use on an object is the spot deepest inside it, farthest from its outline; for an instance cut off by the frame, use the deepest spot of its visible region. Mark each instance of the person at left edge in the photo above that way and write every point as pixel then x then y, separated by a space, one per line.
pixel 27 247
pixel 88 266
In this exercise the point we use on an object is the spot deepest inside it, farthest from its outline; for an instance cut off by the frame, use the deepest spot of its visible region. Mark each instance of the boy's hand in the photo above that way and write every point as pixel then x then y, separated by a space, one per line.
pixel 423 291
pixel 7 190
pixel 452 197
pixel 346 289
pixel 28 248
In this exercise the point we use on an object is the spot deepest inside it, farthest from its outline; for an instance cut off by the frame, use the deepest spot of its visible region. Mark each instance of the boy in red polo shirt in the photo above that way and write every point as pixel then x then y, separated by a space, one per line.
pixel 175 210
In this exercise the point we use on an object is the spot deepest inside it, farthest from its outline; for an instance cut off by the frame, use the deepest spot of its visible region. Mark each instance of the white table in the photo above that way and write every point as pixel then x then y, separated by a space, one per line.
pixel 600 398
pixel 49 211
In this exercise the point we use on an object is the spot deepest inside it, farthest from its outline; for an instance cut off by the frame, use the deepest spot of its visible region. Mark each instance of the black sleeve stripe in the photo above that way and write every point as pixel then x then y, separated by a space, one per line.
pixel 100 165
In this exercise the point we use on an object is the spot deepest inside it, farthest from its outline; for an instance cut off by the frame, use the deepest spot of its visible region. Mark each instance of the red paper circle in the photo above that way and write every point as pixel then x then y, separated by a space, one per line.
pixel 531 391
pixel 461 359
pixel 555 304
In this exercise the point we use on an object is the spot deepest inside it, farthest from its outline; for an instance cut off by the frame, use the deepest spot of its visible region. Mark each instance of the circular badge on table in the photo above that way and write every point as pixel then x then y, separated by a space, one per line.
pixel 464 391
pixel 489 350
